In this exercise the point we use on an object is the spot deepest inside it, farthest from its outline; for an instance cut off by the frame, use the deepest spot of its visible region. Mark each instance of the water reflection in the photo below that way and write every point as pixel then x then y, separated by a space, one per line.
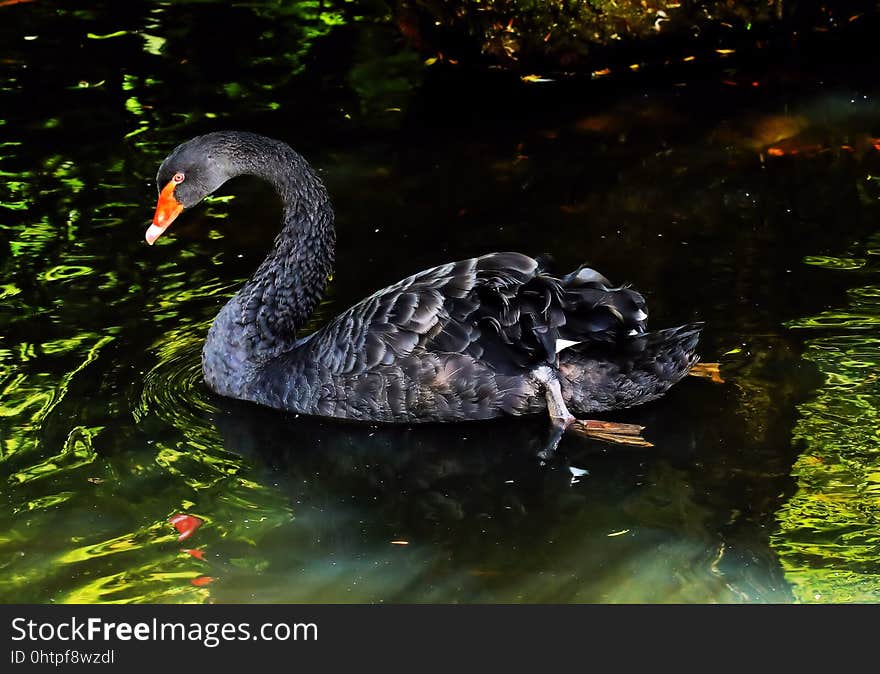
pixel 467 513
pixel 828 533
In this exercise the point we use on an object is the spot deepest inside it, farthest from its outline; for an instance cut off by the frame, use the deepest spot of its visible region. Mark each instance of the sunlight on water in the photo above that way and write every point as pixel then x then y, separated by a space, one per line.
pixel 830 528
pixel 145 564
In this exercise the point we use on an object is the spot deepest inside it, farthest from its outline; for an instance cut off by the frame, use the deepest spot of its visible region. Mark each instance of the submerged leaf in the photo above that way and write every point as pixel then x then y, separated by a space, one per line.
pixel 186 525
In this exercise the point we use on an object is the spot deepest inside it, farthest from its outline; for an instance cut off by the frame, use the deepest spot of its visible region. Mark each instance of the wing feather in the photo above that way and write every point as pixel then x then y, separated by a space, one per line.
pixel 502 309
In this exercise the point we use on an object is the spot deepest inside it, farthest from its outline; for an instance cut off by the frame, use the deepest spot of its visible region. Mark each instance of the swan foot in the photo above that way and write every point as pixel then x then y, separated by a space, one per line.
pixel 609 431
pixel 560 417
pixel 711 371
pixel 564 421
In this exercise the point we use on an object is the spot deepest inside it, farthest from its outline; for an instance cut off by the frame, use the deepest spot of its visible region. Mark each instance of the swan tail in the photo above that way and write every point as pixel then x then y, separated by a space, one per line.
pixel 527 315
pixel 598 377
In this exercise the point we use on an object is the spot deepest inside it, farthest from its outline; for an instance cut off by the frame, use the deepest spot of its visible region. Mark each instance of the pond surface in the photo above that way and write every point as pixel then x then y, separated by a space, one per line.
pixel 748 198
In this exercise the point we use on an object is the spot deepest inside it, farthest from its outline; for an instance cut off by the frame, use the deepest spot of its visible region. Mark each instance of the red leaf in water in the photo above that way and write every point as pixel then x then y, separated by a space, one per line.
pixel 201 581
pixel 185 525
pixel 198 554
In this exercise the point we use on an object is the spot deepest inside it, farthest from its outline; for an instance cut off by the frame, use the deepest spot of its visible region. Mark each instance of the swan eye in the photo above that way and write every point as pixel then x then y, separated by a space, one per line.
pixel 178 178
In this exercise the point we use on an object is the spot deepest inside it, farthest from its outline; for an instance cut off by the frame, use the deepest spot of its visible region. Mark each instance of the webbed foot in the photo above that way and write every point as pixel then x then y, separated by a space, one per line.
pixel 609 431
pixel 711 371
pixel 563 421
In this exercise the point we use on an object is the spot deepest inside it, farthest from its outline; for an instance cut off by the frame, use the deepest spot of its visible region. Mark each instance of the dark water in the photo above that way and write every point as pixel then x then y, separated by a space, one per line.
pixel 753 207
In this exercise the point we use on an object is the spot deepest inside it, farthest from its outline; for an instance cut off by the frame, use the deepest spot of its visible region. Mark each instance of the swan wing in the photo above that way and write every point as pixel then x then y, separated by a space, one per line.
pixel 430 307
pixel 501 309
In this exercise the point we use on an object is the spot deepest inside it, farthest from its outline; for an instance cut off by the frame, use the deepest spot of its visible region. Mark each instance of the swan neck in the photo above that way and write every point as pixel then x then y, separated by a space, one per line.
pixel 288 285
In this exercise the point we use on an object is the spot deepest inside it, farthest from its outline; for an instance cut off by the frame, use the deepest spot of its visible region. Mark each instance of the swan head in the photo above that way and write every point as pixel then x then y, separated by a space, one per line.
pixel 191 172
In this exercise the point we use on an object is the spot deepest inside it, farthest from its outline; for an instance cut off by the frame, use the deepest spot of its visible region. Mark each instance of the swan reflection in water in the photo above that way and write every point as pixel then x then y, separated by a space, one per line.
pixel 467 512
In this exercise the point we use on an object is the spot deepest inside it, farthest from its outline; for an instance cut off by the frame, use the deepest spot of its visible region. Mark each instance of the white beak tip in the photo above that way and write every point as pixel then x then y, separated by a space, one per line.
pixel 153 233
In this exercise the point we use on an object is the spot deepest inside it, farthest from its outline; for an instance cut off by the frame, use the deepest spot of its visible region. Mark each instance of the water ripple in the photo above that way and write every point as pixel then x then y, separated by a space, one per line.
pixel 174 389
pixel 828 532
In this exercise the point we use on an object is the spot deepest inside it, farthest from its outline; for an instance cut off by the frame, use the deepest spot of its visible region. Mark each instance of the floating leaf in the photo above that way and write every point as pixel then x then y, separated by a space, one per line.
pixel 185 525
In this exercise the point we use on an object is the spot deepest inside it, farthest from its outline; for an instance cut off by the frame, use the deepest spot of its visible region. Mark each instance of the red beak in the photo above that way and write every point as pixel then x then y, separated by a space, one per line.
pixel 167 209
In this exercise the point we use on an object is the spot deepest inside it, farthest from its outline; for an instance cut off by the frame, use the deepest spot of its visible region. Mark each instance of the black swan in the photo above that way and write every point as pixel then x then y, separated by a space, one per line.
pixel 474 339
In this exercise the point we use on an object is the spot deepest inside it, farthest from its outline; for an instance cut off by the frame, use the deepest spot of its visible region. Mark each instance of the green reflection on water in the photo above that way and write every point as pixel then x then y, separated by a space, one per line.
pixel 125 551
pixel 834 262
pixel 66 271
pixel 830 528
pixel 118 33
pixel 9 290
pixel 76 452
